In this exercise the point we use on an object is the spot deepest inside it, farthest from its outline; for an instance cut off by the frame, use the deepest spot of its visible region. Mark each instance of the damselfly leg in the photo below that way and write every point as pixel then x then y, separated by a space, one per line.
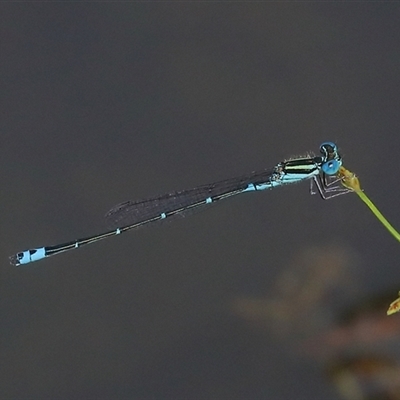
pixel 327 186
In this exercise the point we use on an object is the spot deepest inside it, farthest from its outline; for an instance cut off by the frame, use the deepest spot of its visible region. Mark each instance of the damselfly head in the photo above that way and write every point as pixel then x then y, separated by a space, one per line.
pixel 332 159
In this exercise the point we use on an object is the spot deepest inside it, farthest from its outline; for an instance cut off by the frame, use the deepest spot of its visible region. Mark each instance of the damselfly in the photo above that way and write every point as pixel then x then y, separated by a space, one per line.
pixel 134 214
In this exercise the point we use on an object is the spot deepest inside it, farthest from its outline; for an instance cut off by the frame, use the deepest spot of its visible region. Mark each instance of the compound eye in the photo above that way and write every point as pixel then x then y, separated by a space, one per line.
pixel 331 167
pixel 327 148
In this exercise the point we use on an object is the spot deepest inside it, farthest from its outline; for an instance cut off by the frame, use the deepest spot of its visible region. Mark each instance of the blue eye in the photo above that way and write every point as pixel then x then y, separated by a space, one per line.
pixel 331 144
pixel 327 148
pixel 331 167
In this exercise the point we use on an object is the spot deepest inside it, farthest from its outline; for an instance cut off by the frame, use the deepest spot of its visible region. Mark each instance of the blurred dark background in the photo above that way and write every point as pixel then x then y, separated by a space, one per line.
pixel 106 102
